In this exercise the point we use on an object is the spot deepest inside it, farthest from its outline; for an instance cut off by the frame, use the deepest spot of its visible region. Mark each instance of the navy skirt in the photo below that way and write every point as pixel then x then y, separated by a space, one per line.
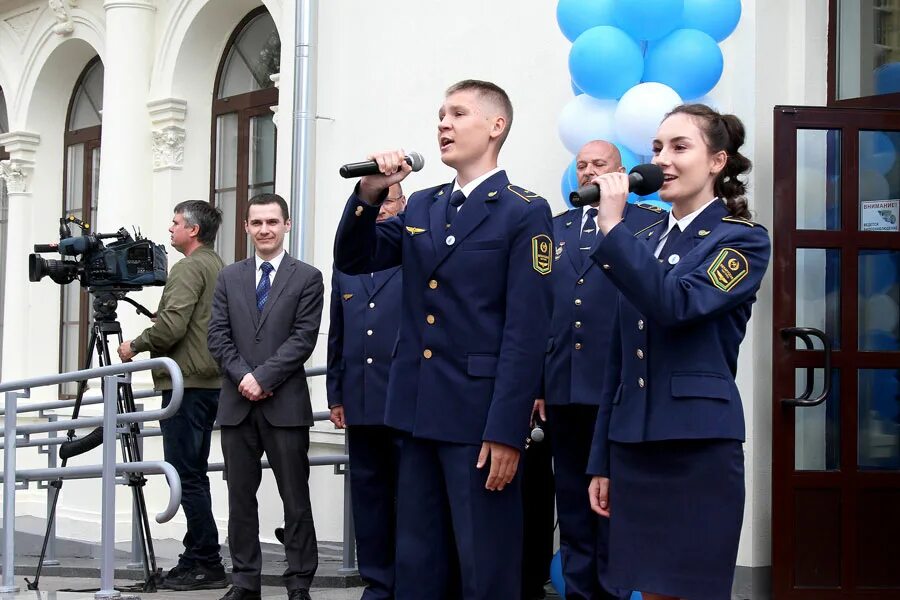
pixel 676 513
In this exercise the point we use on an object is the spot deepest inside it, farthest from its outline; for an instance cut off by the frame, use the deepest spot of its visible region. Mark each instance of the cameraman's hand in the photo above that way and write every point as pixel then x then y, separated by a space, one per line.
pixel 394 169
pixel 125 353
pixel 251 390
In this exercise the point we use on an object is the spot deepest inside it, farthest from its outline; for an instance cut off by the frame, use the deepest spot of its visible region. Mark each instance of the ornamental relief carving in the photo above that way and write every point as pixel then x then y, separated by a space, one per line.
pixel 60 8
pixel 168 148
pixel 15 176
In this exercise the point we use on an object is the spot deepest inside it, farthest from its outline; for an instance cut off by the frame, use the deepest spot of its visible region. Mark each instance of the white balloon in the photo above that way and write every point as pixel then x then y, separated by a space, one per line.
pixel 585 119
pixel 639 113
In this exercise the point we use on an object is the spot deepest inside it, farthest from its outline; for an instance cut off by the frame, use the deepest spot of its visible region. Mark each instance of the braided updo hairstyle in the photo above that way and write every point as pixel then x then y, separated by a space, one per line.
pixel 723 132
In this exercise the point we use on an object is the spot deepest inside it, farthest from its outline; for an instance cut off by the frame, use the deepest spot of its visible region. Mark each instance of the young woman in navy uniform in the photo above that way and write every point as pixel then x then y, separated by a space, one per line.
pixel 667 455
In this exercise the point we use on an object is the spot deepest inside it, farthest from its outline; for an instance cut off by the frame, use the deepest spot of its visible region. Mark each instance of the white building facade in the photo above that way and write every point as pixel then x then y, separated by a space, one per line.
pixel 116 110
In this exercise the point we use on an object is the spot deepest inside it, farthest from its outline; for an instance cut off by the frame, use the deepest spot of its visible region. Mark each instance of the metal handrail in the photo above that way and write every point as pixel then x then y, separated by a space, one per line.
pixel 112 376
pixel 146 467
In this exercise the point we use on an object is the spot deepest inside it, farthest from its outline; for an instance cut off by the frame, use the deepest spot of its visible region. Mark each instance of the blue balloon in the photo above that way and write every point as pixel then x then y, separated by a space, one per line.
pixel 569 182
pixel 556 575
pixel 716 18
pixel 687 60
pixel 605 62
pixel 887 78
pixel 576 90
pixel 577 16
pixel 648 19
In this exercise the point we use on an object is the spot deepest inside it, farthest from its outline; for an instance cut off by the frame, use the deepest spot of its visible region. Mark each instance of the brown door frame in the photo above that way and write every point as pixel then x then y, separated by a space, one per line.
pixel 846 360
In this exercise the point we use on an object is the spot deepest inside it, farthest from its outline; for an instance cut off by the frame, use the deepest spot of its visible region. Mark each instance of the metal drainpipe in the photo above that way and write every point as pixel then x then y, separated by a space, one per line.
pixel 303 148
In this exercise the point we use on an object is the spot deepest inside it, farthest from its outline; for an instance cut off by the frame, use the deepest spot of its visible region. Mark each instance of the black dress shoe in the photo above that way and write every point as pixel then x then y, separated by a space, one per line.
pixel 239 593
pixel 299 594
pixel 279 534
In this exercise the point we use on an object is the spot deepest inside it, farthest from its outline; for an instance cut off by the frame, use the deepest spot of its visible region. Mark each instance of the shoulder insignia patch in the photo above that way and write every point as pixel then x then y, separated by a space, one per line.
pixel 637 233
pixel 739 220
pixel 347 297
pixel 522 193
pixel 729 268
pixel 542 253
pixel 650 207
pixel 415 230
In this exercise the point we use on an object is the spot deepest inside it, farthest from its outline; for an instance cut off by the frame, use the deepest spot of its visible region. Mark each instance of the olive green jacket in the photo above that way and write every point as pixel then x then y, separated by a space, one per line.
pixel 181 322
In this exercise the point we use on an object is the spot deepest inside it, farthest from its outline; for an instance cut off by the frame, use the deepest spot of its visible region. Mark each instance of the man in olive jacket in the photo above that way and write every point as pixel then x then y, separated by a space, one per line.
pixel 179 332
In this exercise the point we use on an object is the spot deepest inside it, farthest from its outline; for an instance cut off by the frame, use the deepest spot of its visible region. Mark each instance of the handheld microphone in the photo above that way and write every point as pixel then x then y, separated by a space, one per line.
pixel 642 180
pixel 370 167
pixel 537 433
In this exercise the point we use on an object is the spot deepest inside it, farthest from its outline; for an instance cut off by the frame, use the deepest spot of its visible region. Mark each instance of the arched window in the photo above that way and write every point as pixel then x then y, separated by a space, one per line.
pixel 4 211
pixel 243 141
pixel 80 186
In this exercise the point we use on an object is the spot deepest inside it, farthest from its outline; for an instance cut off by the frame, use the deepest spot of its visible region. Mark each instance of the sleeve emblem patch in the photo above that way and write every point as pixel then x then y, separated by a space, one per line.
pixel 542 253
pixel 729 268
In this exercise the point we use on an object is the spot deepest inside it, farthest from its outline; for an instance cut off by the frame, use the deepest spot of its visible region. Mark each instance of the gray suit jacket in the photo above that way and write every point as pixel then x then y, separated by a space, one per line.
pixel 273 345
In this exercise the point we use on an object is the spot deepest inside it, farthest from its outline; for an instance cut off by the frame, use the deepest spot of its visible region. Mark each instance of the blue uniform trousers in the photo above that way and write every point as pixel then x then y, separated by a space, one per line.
pixel 447 522
pixel 583 535
pixel 374 457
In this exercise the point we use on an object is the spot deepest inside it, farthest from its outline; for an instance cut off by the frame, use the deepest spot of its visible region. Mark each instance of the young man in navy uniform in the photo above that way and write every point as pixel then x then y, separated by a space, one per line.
pixel 365 318
pixel 476 255
pixel 583 310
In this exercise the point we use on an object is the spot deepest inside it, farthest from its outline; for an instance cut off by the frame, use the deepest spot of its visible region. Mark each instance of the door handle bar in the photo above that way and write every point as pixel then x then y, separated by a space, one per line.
pixel 805 334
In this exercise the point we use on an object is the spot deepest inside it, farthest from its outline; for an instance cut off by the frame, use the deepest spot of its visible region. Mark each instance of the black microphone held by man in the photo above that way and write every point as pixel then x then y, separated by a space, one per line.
pixel 370 167
pixel 642 180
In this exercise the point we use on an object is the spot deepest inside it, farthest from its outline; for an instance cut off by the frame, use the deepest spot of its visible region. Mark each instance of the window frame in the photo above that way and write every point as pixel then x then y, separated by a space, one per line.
pixel 246 105
pixel 885 101
pixel 90 137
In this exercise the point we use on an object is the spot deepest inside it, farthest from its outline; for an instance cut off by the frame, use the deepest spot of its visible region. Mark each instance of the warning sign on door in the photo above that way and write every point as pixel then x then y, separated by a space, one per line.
pixel 879 215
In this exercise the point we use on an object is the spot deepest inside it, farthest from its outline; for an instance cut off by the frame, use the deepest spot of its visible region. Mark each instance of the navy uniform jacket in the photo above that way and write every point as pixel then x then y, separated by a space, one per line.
pixel 679 328
pixel 476 307
pixel 365 317
pixel 584 304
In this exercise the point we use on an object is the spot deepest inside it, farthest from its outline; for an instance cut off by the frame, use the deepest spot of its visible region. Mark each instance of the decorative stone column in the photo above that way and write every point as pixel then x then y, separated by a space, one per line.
pixel 126 163
pixel 18 173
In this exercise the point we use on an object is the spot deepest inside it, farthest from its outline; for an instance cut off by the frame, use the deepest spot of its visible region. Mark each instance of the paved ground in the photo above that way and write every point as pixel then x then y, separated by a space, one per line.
pixel 50 587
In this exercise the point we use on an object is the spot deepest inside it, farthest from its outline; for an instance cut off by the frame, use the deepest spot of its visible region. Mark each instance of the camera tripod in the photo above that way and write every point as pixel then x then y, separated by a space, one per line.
pixel 105 302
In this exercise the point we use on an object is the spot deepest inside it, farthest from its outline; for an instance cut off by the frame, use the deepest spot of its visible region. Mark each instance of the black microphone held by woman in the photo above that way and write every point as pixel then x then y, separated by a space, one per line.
pixel 642 180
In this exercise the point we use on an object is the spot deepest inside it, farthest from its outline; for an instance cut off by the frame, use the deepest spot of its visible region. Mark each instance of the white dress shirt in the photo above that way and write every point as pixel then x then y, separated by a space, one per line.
pixel 682 223
pixel 275 262
pixel 470 187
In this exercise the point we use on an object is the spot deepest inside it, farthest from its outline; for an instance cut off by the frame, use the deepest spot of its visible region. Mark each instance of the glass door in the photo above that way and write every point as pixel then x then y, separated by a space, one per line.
pixel 836 354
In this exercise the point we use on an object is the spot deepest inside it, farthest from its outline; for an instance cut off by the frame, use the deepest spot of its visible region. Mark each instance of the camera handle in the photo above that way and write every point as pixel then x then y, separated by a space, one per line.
pixel 141 309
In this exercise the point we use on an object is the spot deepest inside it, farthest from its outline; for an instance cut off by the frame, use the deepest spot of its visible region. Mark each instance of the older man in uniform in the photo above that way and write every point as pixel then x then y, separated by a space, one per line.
pixel 476 255
pixel 583 310
pixel 365 318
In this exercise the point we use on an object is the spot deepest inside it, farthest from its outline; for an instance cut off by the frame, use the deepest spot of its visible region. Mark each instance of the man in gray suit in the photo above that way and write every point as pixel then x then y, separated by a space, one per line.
pixel 265 320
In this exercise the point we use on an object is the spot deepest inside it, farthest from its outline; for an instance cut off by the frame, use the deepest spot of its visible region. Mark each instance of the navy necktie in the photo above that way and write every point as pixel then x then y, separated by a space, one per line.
pixel 588 231
pixel 262 289
pixel 456 200
pixel 671 240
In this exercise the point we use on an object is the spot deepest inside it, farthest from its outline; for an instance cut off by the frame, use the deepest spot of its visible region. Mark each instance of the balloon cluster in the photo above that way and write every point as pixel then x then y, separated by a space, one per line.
pixel 631 62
